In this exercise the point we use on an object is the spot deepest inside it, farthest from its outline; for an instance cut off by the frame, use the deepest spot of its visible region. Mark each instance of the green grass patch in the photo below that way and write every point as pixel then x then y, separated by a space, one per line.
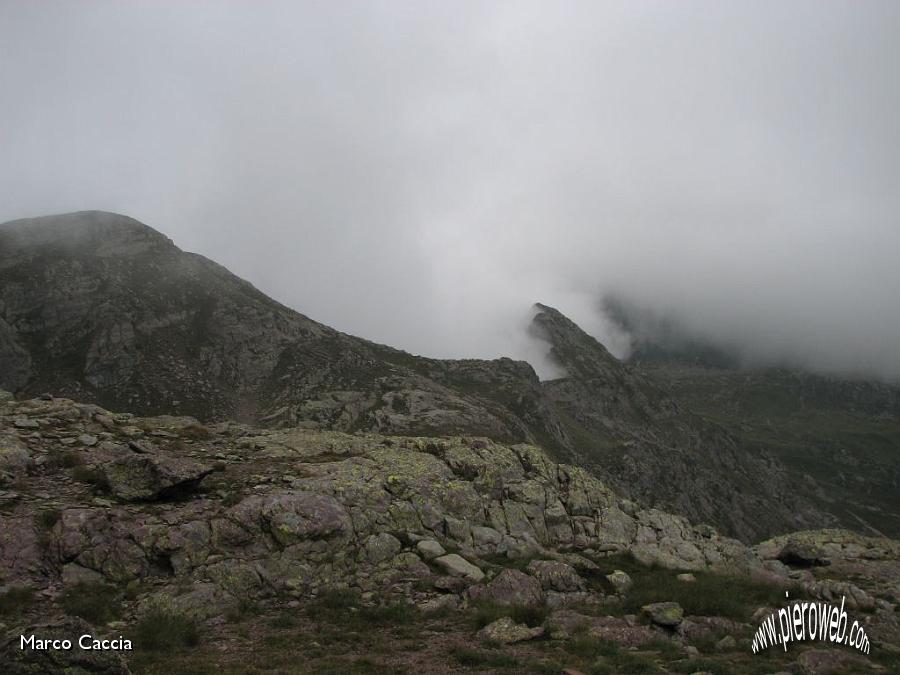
pixel 712 594
pixel 634 664
pixel 343 607
pixel 283 620
pixel 91 476
pixel 67 459
pixel 47 518
pixel 16 601
pixel 482 658
pixel 161 630
pixel 590 647
pixel 195 432
pixel 245 608
pixel 96 603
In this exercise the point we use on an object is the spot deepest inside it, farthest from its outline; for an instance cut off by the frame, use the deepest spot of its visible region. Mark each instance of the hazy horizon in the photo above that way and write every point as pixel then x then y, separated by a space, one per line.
pixel 419 174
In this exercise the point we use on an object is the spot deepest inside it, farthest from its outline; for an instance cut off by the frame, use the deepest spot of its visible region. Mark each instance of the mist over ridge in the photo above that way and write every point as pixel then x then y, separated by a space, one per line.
pixel 419 174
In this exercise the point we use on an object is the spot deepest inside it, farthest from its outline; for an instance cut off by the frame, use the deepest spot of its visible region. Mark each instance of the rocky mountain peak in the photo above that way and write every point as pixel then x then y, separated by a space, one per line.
pixel 571 348
pixel 84 233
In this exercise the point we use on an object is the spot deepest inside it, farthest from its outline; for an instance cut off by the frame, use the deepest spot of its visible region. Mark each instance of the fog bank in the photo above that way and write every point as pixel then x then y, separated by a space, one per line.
pixel 419 173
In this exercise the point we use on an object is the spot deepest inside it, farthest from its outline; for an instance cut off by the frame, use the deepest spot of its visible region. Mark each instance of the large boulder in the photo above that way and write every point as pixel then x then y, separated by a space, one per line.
pixel 556 576
pixel 506 631
pixel 797 553
pixel 665 614
pixel 512 588
pixel 144 477
pixel 430 549
pixel 381 547
pixel 291 517
pixel 620 581
pixel 457 566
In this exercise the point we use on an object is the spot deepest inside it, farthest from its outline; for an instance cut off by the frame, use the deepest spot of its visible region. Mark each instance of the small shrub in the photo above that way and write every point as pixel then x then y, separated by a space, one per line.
pixel 394 614
pixel 635 664
pixel 47 518
pixel 479 658
pixel 96 603
pixel 601 668
pixel 232 499
pixel 244 608
pixel 91 476
pixel 195 432
pixel 161 630
pixel 337 598
pixel 16 600
pixel 284 619
pixel 176 446
pixel 133 589
pixel 65 460
pixel 589 646
pixel 342 606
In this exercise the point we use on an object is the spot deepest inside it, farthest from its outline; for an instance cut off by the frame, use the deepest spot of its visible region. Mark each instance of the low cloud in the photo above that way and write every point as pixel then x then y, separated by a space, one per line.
pixel 420 173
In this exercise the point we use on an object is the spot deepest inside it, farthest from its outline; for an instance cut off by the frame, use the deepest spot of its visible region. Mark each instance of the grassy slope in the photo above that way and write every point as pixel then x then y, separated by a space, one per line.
pixel 853 456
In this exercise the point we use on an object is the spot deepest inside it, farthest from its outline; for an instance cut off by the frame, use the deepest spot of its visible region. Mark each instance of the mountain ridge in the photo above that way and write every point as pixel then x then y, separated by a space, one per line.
pixel 123 318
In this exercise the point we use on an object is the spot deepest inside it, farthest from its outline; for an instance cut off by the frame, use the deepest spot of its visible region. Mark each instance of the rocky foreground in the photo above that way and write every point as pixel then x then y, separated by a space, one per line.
pixel 229 548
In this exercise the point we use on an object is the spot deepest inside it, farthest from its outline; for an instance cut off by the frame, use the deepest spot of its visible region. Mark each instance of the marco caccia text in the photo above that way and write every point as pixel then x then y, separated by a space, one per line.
pixel 85 642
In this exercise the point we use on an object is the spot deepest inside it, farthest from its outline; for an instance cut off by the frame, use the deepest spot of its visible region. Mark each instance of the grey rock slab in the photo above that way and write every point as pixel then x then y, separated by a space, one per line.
pixel 457 566
pixel 665 614
pixel 381 547
pixel 620 581
pixel 506 631
pixel 429 549
pixel 556 576
pixel 136 477
pixel 512 588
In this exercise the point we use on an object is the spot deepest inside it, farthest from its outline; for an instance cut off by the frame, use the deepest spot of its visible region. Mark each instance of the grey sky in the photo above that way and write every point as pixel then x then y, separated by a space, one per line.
pixel 419 172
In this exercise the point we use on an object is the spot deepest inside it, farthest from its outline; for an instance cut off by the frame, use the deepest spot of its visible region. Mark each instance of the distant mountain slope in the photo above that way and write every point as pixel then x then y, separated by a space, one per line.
pixel 838 438
pixel 100 307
